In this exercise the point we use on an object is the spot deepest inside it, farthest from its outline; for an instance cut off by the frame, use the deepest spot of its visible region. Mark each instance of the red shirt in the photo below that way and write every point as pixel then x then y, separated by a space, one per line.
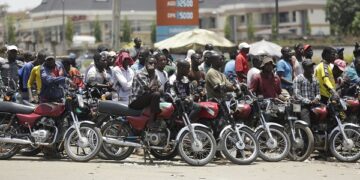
pixel 268 86
pixel 241 63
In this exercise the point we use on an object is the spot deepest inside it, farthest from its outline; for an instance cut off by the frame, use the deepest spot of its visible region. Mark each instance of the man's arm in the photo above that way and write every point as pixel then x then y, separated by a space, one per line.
pixel 297 91
pixel 47 79
pixel 280 71
pixel 352 75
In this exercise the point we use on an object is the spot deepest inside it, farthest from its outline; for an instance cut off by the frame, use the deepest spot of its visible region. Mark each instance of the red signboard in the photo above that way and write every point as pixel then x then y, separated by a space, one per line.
pixel 177 12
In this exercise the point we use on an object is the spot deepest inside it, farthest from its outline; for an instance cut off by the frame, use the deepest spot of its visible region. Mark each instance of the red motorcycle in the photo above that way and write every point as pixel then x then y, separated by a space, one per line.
pixel 353 105
pixel 173 131
pixel 48 125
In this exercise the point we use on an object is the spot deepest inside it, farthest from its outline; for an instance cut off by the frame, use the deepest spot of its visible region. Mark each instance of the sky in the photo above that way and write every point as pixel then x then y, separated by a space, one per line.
pixel 18 5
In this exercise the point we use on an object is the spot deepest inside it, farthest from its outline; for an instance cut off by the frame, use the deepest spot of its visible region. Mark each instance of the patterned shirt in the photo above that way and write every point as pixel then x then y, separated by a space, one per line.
pixel 140 85
pixel 305 90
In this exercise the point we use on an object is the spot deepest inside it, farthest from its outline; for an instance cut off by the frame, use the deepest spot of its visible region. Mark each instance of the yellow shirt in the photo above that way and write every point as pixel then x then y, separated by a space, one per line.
pixel 324 74
pixel 35 76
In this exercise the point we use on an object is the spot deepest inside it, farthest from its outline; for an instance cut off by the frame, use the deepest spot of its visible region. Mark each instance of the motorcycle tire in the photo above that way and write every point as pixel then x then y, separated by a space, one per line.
pixel 30 151
pixel 111 151
pixel 230 139
pixel 186 143
pixel 14 148
pixel 308 143
pixel 164 155
pixel 336 140
pixel 262 137
pixel 94 137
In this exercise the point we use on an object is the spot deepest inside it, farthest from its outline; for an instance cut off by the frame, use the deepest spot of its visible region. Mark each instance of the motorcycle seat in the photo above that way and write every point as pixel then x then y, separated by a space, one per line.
pixel 11 107
pixel 117 109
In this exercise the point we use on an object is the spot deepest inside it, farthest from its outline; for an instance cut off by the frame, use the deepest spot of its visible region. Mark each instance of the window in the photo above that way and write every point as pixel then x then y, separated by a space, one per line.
pixel 266 18
pixel 294 16
pixel 284 17
pixel 212 22
pixel 242 19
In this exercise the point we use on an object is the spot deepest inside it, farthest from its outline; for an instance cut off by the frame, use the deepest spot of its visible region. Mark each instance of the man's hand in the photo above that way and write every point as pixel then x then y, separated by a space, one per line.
pixel 315 101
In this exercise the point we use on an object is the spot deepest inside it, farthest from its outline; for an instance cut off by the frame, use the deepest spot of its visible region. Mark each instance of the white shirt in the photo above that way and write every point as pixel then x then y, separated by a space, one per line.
pixel 251 74
pixel 123 79
pixel 162 77
pixel 95 77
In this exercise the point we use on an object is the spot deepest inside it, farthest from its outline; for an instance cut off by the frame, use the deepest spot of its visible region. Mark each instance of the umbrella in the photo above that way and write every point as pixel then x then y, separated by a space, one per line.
pixel 265 47
pixel 195 39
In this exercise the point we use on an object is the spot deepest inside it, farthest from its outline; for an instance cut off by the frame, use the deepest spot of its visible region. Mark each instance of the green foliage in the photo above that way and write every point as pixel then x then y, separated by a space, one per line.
pixel 250 27
pixel 69 30
pixel 273 27
pixel 126 35
pixel 11 34
pixel 97 30
pixel 227 28
pixel 356 24
pixel 307 26
pixel 153 32
pixel 341 14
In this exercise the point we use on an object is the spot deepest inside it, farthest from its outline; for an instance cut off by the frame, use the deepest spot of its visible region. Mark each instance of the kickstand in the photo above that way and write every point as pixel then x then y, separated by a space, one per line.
pixel 147 153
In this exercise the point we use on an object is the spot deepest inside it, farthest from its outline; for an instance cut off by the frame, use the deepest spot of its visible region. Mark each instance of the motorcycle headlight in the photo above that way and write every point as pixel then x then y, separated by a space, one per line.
pixel 296 108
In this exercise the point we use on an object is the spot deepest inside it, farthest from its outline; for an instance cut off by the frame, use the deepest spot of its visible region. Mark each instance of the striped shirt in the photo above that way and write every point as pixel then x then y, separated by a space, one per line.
pixel 305 90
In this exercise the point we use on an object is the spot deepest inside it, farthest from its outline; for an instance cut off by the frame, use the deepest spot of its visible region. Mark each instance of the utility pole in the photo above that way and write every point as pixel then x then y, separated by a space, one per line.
pixel 277 18
pixel 115 38
pixel 63 25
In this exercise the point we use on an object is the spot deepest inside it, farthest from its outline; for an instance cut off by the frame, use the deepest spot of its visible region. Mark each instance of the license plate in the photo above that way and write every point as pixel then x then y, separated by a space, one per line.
pixel 80 100
pixel 297 108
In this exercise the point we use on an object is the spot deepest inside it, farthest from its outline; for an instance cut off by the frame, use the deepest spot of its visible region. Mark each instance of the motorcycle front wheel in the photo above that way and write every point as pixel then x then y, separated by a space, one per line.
pixel 273 151
pixel 303 144
pixel 83 150
pixel 8 150
pixel 242 153
pixel 346 151
pixel 197 153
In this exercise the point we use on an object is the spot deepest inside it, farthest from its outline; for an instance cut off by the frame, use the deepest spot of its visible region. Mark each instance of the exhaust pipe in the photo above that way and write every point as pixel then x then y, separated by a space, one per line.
pixel 121 143
pixel 15 141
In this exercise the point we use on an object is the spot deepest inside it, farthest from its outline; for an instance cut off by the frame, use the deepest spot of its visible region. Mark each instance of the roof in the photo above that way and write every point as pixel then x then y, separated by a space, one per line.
pixel 138 5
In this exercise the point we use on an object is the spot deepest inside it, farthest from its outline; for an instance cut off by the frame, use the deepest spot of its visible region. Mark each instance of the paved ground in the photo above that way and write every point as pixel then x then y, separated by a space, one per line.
pixel 20 168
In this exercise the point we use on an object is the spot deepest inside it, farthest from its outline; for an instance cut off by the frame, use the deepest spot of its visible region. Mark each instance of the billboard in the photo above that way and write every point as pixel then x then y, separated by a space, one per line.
pixel 174 16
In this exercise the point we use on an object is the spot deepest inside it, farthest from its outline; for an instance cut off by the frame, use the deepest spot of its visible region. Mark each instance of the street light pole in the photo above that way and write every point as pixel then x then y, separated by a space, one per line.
pixel 63 24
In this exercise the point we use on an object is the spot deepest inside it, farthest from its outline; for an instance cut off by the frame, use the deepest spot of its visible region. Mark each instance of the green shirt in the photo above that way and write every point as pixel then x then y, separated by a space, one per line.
pixel 213 78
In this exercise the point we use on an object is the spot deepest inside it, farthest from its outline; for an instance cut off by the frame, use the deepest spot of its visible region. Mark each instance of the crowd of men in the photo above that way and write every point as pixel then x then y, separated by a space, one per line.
pixel 140 76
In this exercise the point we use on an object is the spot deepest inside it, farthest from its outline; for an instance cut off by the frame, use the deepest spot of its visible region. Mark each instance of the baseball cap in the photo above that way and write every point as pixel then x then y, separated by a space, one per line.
pixel 308 62
pixel 12 47
pixel 341 64
pixel 267 60
pixel 306 46
pixel 244 45
pixel 49 57
pixel 339 50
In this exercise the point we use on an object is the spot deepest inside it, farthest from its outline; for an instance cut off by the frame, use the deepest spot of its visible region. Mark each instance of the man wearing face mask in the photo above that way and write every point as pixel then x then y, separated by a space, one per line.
pixel 53 80
pixel 308 52
pixel 97 75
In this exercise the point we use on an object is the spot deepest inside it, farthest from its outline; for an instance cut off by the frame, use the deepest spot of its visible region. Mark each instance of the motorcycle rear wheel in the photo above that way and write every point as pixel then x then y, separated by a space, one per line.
pixel 231 151
pixel 301 153
pixel 92 134
pixel 282 150
pixel 337 145
pixel 114 152
pixel 201 157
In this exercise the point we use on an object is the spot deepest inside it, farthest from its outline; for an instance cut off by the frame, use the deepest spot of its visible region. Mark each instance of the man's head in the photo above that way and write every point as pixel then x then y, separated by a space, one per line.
pixel 308 67
pixel 137 42
pixel 209 47
pixel 143 55
pixel 308 52
pixel 256 61
pixel 286 53
pixel 356 51
pixel 244 47
pixel 66 62
pixel 12 52
pixel 102 47
pixel 150 64
pixel 299 49
pixel 357 64
pixel 183 68
pixel 340 53
pixel 161 61
pixel 267 65
pixel 100 61
pixel 329 54
pixel 40 57
pixel 216 59
pixel 196 59
pixel 28 56
pixel 206 58
pixel 50 61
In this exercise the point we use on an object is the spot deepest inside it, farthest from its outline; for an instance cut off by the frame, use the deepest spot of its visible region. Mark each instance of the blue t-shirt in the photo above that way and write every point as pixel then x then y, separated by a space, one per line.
pixel 24 74
pixel 284 68
pixel 230 68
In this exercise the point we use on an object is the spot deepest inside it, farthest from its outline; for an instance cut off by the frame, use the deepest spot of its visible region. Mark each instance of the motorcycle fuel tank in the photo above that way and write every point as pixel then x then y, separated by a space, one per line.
pixel 320 113
pixel 50 109
pixel 209 110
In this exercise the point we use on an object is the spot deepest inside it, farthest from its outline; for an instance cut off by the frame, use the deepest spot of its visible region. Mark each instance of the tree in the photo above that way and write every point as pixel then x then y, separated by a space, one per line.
pixel 69 32
pixel 341 13
pixel 153 32
pixel 356 24
pixel 97 30
pixel 126 35
pixel 227 28
pixel 11 34
pixel 250 27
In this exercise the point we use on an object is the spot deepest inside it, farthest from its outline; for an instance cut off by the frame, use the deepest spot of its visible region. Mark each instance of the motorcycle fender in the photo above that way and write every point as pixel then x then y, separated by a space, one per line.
pixel 344 125
pixel 224 130
pixel 269 124
pixel 238 126
pixel 301 122
pixel 73 127
pixel 194 125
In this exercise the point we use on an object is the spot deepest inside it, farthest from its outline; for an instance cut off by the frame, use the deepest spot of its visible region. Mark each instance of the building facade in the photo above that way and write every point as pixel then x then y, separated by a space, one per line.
pixel 44 25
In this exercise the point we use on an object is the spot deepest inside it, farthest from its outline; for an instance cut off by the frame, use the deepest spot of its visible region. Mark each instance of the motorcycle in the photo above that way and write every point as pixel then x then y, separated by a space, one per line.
pixel 301 136
pixel 330 133
pixel 353 105
pixel 174 131
pixel 48 125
